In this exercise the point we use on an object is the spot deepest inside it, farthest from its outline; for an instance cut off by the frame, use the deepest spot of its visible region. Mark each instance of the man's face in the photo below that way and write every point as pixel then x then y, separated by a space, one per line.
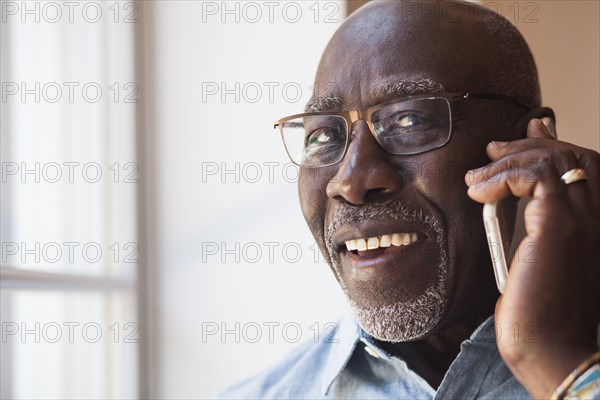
pixel 440 273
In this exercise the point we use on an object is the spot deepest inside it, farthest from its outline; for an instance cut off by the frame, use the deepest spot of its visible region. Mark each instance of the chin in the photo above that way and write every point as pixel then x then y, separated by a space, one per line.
pixel 401 320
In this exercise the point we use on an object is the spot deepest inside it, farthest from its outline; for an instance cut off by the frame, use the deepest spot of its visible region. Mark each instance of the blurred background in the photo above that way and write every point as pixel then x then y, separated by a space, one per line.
pixel 152 240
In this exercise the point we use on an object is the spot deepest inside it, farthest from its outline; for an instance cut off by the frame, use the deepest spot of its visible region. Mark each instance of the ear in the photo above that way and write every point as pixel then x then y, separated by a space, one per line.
pixel 546 114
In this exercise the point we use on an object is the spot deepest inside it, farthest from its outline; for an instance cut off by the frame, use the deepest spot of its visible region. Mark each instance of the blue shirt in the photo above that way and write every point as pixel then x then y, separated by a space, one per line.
pixel 348 365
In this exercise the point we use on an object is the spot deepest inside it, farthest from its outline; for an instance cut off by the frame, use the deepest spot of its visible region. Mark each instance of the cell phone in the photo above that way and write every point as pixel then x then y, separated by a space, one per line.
pixel 495 243
pixel 492 215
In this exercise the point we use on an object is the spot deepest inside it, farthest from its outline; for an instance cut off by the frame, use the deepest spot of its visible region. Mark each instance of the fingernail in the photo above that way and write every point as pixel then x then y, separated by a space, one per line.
pixel 548 124
pixel 498 144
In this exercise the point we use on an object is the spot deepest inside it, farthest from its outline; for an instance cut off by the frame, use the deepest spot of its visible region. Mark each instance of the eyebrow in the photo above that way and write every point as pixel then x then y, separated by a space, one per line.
pixel 409 88
pixel 324 103
pixel 400 88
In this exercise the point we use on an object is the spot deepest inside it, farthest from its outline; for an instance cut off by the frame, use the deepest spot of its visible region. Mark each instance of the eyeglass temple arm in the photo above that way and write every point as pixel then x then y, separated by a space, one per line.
pixel 486 96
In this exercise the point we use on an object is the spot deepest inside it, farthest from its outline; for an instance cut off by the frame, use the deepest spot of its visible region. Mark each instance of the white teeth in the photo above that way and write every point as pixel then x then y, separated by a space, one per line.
pixel 372 243
pixel 361 244
pixel 385 241
pixel 405 238
pixel 396 239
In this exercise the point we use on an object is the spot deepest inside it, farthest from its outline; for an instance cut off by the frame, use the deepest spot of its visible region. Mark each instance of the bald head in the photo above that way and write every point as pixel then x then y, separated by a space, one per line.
pixel 458 46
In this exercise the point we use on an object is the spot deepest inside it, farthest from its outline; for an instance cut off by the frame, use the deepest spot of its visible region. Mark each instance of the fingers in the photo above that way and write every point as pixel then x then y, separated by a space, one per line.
pixel 533 166
pixel 536 129
pixel 541 180
pixel 539 137
pixel 522 164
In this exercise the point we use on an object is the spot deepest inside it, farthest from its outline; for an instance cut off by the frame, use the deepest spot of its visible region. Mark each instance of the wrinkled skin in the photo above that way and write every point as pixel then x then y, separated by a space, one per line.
pixel 553 295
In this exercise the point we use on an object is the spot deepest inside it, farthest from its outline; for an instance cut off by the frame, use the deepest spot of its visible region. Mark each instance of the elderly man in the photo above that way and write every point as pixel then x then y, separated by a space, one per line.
pixel 416 121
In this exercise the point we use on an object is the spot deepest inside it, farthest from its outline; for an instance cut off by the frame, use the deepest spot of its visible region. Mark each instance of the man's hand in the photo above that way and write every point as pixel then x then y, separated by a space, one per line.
pixel 547 318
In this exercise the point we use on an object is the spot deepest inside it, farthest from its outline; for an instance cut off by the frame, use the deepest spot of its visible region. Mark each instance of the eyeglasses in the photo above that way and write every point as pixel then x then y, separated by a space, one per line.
pixel 406 126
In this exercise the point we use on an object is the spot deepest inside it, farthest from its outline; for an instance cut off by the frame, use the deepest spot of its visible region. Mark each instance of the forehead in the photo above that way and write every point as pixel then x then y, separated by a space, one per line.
pixel 377 50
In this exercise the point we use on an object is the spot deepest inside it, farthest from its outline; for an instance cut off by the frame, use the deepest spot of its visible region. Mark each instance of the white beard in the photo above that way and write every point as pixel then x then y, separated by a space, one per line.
pixel 401 321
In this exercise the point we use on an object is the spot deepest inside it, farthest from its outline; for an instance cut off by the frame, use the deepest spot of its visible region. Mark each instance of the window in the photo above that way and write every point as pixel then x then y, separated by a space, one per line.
pixel 70 177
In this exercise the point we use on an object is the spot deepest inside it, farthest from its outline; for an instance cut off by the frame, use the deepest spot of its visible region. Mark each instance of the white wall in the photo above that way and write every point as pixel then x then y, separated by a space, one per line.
pixel 191 210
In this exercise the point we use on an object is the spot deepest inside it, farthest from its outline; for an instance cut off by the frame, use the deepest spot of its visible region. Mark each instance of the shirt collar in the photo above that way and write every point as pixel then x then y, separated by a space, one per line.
pixel 342 345
pixel 349 333
pixel 485 333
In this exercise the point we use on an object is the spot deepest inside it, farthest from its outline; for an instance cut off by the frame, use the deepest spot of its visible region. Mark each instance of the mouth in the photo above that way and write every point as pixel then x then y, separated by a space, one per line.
pixel 391 240
pixel 377 245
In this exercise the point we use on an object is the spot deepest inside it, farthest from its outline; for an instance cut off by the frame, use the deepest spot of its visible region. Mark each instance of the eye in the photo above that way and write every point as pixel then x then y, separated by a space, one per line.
pixel 412 121
pixel 408 120
pixel 322 136
pixel 404 122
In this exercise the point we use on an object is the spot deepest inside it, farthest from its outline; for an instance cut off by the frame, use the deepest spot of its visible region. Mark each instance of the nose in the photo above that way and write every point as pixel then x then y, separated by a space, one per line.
pixel 365 172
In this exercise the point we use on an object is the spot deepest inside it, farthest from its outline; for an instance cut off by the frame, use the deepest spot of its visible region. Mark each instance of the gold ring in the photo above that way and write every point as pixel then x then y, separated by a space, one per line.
pixel 574 175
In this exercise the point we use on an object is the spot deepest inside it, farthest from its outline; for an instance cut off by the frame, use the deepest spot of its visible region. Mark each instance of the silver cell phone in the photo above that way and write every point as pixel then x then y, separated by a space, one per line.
pixel 496 246
pixel 492 214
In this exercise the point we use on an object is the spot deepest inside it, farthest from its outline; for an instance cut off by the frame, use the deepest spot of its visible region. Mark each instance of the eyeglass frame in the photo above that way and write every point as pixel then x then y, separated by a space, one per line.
pixel 365 114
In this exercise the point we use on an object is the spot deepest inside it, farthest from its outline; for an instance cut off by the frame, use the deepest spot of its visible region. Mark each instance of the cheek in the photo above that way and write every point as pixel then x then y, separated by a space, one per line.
pixel 445 183
pixel 442 182
pixel 312 186
pixel 441 173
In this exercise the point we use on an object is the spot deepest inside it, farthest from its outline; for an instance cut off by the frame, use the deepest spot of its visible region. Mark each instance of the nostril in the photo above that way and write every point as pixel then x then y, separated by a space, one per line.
pixel 343 200
pixel 372 194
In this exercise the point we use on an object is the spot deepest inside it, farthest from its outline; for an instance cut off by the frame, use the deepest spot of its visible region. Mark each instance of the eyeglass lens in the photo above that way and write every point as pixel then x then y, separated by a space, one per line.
pixel 404 127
